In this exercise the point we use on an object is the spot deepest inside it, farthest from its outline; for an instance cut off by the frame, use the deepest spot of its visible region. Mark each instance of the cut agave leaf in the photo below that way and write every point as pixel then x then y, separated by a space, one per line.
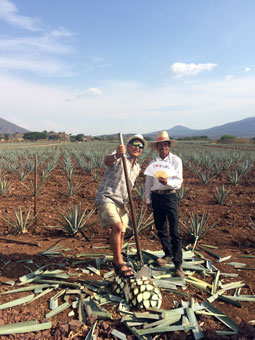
pixel 222 259
pixel 147 315
pixel 62 283
pixel 17 302
pixel 25 289
pixel 46 291
pixel 163 329
pixel 24 327
pixel 58 310
pixel 224 319
pixel 119 335
pixel 134 331
pixel 225 333
pixel 91 332
pixel 164 322
pixel 248 298
pixel 217 256
pixel 197 333
pixel 94 270
pixel 200 285
pixel 215 282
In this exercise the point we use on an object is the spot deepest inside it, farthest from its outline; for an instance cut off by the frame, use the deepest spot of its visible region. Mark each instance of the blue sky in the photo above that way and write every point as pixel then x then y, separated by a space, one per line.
pixel 107 66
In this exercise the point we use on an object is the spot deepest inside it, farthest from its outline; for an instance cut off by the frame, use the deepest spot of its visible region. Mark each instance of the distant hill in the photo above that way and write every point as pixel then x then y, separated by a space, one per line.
pixel 7 127
pixel 242 128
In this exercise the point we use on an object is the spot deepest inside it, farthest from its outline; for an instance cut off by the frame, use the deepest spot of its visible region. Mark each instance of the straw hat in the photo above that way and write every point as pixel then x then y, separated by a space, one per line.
pixel 139 137
pixel 163 137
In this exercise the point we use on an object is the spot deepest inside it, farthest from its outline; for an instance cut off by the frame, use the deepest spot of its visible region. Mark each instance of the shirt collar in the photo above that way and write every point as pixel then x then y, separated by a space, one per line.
pixel 167 158
pixel 128 156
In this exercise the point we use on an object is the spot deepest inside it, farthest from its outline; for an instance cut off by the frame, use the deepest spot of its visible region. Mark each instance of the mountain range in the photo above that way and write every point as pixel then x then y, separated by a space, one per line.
pixel 10 128
pixel 242 128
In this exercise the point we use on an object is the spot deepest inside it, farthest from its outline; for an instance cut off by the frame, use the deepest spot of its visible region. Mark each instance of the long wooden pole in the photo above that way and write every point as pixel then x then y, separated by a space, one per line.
pixel 35 188
pixel 124 161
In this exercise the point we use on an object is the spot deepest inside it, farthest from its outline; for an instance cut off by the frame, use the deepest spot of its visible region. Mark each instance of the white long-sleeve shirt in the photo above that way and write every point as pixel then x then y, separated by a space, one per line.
pixel 175 182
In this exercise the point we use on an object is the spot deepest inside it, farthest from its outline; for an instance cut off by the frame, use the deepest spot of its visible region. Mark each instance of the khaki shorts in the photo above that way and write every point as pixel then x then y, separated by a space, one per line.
pixel 110 214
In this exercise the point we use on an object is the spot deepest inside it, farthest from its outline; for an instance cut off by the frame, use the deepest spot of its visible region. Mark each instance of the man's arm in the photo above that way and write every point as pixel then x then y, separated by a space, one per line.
pixel 147 188
pixel 175 182
pixel 111 159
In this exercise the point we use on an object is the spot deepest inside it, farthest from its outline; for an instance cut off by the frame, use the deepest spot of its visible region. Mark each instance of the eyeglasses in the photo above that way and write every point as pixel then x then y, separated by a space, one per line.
pixel 140 146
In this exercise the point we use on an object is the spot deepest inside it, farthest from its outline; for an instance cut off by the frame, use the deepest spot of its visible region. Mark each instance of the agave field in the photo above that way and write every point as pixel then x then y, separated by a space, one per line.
pixel 55 259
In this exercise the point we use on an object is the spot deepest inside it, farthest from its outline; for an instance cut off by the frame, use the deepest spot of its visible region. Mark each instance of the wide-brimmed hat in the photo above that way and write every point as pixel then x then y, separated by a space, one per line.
pixel 139 137
pixel 163 137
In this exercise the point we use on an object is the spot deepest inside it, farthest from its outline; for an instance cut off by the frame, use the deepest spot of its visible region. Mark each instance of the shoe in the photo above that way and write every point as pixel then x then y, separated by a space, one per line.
pixel 179 272
pixel 164 260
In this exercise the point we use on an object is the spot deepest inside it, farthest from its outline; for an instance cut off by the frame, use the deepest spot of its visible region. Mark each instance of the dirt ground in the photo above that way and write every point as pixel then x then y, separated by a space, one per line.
pixel 231 235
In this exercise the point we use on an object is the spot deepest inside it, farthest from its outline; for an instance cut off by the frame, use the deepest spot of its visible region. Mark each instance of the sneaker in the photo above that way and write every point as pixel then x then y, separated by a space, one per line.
pixel 179 272
pixel 164 260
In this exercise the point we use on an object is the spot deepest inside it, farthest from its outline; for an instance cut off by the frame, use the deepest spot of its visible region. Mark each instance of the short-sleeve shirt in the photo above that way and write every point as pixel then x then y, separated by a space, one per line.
pixel 113 188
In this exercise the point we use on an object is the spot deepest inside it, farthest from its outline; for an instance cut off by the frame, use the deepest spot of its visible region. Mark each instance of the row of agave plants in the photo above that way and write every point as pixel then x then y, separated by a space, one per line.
pixel 88 158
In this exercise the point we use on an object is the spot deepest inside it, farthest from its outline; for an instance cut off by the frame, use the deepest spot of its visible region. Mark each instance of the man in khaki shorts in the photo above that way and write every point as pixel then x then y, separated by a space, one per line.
pixel 112 197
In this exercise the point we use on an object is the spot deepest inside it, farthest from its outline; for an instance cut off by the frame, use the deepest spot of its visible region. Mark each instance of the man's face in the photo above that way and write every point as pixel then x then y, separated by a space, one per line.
pixel 163 149
pixel 135 148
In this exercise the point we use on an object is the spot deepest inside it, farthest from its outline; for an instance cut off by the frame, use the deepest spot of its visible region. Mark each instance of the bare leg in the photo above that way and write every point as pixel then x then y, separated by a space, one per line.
pixel 116 241
pixel 122 240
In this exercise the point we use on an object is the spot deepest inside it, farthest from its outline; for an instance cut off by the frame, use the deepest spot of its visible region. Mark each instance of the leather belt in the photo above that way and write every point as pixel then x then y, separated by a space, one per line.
pixel 164 192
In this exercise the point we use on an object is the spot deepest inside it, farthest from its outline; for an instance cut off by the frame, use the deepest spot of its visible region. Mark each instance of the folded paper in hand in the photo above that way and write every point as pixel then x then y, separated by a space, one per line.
pixel 160 169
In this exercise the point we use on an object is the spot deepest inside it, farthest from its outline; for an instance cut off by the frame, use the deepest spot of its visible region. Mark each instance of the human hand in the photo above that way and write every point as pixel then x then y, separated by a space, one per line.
pixel 162 180
pixel 121 150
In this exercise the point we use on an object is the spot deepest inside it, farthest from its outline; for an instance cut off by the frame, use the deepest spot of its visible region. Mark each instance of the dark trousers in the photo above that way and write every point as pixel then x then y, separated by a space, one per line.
pixel 165 210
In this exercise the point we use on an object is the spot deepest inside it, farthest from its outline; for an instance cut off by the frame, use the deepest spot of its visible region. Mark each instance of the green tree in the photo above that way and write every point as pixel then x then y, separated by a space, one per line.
pixel 33 136
pixel 53 137
pixel 79 137
pixel 226 139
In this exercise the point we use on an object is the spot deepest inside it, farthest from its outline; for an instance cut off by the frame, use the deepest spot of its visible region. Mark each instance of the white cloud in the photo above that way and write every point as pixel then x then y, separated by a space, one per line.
pixel 37 66
pixel 50 125
pixel 92 91
pixel 182 69
pixel 247 69
pixel 95 90
pixel 61 32
pixel 229 76
pixel 10 13
pixel 32 45
pixel 127 106
pixel 35 53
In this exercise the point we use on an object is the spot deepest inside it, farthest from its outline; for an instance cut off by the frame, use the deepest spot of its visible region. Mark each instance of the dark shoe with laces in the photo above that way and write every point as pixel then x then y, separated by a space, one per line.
pixel 179 272
pixel 164 260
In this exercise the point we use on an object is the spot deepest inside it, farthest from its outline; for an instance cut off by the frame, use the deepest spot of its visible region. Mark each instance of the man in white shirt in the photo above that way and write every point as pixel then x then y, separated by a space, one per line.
pixel 160 194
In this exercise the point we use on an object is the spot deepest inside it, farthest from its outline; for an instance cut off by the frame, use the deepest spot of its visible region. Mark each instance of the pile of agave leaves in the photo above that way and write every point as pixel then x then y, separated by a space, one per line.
pixel 91 297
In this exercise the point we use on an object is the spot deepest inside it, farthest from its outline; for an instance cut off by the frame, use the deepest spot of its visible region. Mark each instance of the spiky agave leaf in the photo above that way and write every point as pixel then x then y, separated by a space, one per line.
pixel 19 223
pixel 142 222
pixel 74 220
pixel 197 227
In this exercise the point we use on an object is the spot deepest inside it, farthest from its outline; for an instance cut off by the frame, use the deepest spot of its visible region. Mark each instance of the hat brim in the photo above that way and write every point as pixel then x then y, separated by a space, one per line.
pixel 136 137
pixel 173 142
